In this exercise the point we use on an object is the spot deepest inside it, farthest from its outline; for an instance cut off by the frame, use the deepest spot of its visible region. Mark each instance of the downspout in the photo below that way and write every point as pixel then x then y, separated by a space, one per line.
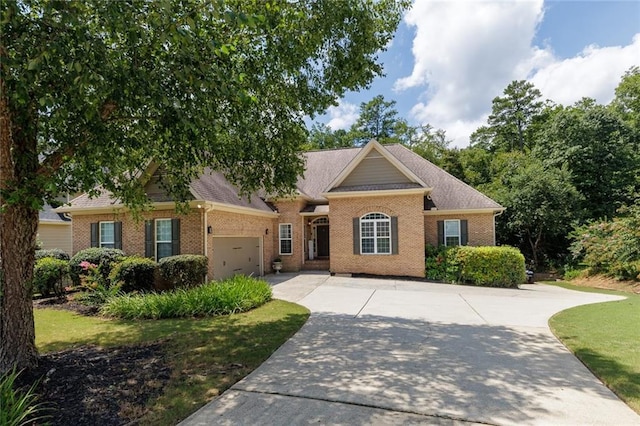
pixel 205 226
pixel 494 225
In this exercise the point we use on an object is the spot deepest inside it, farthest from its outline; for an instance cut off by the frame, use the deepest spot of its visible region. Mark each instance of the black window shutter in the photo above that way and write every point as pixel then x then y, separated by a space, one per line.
pixel 175 236
pixel 95 234
pixel 441 232
pixel 356 235
pixel 149 245
pixel 394 234
pixel 464 232
pixel 117 235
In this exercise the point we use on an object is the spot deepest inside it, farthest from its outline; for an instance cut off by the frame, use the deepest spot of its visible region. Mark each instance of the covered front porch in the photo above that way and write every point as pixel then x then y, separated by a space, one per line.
pixel 316 247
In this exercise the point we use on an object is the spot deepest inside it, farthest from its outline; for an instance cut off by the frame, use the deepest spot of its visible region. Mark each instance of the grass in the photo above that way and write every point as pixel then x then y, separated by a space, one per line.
pixel 198 350
pixel 606 338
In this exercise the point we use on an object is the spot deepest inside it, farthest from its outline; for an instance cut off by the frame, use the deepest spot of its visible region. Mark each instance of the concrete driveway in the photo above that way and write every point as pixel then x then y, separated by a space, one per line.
pixel 399 352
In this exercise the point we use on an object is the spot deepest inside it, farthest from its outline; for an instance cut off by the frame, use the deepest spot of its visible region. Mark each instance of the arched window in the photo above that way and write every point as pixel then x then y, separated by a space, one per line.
pixel 375 234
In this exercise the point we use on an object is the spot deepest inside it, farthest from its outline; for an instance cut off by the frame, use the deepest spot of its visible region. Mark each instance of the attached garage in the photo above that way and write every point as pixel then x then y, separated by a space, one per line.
pixel 236 255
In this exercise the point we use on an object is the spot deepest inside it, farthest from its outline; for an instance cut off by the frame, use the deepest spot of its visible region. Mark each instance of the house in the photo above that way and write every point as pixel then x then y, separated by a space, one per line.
pixel 357 210
pixel 54 230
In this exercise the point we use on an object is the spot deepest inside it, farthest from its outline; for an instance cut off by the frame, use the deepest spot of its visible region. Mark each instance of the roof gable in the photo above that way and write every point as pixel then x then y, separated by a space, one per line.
pixel 374 165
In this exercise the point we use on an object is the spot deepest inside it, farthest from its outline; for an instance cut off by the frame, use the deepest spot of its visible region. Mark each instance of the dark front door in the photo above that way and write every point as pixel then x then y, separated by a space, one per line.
pixel 322 239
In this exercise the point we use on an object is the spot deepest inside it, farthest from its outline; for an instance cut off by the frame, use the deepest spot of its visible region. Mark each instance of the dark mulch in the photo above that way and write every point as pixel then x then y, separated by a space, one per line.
pixel 90 385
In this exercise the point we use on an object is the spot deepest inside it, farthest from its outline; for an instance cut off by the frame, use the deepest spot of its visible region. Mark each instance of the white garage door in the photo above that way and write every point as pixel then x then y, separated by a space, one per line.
pixel 235 255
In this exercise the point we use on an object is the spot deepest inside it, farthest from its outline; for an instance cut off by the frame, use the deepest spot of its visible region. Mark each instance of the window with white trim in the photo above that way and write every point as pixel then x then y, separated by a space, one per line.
pixel 375 234
pixel 452 232
pixel 163 238
pixel 107 235
pixel 286 238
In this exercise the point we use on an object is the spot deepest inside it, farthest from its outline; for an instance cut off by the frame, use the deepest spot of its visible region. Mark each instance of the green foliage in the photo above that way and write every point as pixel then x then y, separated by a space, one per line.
pixel 440 263
pixel 510 119
pixel 133 274
pixel 611 247
pixel 237 294
pixel 54 253
pixel 50 276
pixel 184 270
pixel 570 273
pixel 491 266
pixel 97 293
pixel 102 258
pixel 18 407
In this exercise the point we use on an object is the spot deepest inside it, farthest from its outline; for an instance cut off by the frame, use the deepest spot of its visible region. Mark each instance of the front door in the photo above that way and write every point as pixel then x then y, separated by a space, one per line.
pixel 322 240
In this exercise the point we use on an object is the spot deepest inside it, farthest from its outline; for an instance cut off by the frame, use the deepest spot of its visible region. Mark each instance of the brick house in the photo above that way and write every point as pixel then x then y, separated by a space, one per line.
pixel 357 210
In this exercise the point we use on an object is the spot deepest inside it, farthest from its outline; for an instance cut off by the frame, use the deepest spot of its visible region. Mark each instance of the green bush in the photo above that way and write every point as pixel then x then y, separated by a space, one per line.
pixel 54 253
pixel 50 276
pixel 490 266
pixel 237 294
pixel 440 263
pixel 102 258
pixel 184 270
pixel 571 273
pixel 18 407
pixel 133 274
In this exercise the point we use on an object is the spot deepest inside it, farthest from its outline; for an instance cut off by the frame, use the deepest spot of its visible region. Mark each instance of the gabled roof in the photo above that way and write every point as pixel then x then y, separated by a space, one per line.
pixel 48 215
pixel 323 168
pixel 325 172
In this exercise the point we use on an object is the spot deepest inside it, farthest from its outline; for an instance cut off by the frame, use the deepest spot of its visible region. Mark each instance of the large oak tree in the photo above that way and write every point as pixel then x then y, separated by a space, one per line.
pixel 90 91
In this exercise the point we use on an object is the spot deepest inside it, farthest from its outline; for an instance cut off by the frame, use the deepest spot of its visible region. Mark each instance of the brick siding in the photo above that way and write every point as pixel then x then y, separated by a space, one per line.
pixel 410 258
pixel 480 228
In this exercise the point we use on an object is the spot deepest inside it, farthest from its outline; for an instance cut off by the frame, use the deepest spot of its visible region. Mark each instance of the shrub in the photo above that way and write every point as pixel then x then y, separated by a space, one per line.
pixel 54 253
pixel 440 263
pixel 103 258
pixel 133 274
pixel 490 266
pixel 18 407
pixel 570 273
pixel 237 294
pixel 184 270
pixel 50 276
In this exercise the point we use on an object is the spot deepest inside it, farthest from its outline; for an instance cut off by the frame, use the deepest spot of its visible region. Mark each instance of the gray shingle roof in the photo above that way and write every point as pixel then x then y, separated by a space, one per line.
pixel 48 215
pixel 322 168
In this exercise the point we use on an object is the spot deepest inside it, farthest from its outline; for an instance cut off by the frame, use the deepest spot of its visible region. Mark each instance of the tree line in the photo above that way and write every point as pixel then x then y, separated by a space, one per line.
pixel 554 167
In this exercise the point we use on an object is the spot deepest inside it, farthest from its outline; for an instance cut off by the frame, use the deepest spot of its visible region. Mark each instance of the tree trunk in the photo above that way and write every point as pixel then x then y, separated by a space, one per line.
pixel 18 230
pixel 18 227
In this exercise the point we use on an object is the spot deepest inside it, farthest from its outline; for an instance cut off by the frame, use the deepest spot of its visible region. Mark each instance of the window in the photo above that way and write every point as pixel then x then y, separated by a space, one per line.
pixel 107 235
pixel 163 238
pixel 286 243
pixel 375 234
pixel 451 232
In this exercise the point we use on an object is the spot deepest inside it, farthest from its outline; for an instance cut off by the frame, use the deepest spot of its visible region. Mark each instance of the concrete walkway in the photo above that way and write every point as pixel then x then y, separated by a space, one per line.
pixel 401 352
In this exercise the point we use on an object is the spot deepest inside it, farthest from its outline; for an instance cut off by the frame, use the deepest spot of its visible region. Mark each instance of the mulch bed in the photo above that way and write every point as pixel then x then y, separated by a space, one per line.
pixel 90 385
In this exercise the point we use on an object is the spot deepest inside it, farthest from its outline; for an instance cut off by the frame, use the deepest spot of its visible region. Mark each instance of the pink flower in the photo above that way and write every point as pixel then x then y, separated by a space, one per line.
pixel 86 265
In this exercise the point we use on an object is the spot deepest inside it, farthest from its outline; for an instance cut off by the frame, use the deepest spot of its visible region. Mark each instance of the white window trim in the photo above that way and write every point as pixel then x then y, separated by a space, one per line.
pixel 459 231
pixel 101 243
pixel 155 234
pixel 280 239
pixel 375 233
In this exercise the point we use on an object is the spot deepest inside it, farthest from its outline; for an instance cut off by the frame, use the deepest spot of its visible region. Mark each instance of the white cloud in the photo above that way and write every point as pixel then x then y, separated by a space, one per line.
pixel 342 116
pixel 467 52
pixel 595 73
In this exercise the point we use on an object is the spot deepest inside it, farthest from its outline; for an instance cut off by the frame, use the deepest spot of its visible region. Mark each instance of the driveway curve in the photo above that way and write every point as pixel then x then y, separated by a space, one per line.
pixel 380 351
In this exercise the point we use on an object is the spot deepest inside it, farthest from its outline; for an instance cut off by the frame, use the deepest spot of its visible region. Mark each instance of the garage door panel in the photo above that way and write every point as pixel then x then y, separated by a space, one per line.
pixel 236 255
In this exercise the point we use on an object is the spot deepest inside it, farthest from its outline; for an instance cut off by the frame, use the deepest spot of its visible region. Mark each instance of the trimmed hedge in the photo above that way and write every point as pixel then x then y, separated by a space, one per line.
pixel 183 270
pixel 234 295
pixel 490 266
pixel 103 258
pixel 50 276
pixel 484 266
pixel 54 253
pixel 133 274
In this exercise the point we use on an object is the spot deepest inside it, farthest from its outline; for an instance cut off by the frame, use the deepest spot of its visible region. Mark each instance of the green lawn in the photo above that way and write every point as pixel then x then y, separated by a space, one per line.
pixel 606 338
pixel 196 348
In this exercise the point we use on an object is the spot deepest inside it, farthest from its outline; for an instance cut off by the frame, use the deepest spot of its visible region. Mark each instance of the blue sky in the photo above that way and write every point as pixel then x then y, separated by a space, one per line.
pixel 450 58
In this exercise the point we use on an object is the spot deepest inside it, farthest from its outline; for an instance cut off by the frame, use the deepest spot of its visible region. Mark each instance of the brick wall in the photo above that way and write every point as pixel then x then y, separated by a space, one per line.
pixel 240 225
pixel 290 213
pixel 191 231
pixel 480 228
pixel 410 258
